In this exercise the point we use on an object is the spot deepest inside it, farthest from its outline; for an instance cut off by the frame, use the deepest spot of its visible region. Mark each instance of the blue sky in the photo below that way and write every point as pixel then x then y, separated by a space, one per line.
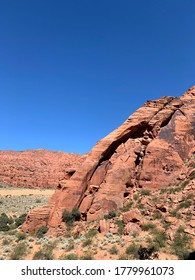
pixel 73 71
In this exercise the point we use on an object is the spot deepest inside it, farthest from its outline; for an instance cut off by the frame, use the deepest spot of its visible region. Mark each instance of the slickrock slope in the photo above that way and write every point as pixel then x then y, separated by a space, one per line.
pixel 147 151
pixel 37 168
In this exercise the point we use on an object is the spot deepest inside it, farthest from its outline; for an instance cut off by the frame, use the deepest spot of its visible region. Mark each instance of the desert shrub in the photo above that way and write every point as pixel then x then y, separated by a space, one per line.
pixel 145 192
pixel 135 196
pixel 71 257
pixel 192 175
pixel 127 207
pixel 179 216
pixel 70 246
pixel 91 233
pixel 111 214
pixel 10 232
pixel 185 183
pixel 70 217
pixel 172 190
pixel 181 243
pixel 87 242
pixel 113 250
pixel 147 253
pixel 5 222
pixel 5 242
pixel 21 236
pixel 123 257
pixel 173 213
pixel 7 249
pixel 148 226
pixel 45 253
pixel 19 252
pixel 184 204
pixel 41 231
pixel 20 220
pixel 121 226
pixel 188 216
pixel 67 217
pixel 159 239
pixel 157 215
pixel 87 256
pixel 76 214
pixel 132 250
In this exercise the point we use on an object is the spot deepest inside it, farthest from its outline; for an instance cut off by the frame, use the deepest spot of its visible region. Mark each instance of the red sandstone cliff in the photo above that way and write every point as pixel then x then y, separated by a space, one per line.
pixel 37 168
pixel 147 151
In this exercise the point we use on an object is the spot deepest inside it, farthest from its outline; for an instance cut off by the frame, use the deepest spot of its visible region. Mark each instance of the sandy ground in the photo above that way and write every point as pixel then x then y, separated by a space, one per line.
pixel 17 201
pixel 5 192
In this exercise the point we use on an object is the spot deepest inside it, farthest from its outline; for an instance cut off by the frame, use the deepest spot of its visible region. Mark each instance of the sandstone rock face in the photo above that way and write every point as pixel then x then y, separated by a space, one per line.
pixel 147 151
pixel 37 168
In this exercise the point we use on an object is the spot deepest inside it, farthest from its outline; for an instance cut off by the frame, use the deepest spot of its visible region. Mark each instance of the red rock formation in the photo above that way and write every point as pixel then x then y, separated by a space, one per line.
pixel 147 151
pixel 37 168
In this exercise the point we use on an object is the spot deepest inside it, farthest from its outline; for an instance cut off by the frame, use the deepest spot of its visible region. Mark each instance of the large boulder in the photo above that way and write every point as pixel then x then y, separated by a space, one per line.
pixel 147 151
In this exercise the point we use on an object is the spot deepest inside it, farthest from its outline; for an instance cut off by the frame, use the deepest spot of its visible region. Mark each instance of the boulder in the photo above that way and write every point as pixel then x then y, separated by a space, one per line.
pixel 149 150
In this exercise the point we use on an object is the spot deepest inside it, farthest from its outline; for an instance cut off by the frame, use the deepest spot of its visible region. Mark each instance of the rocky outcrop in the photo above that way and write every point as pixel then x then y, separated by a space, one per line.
pixel 147 151
pixel 37 168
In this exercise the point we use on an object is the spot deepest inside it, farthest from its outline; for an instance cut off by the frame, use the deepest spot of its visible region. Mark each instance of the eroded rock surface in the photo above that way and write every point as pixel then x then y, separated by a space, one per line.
pixel 37 168
pixel 147 151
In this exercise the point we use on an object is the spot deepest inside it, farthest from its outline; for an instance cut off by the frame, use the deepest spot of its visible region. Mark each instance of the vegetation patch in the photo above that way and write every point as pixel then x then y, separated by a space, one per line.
pixel 181 243
pixel 70 217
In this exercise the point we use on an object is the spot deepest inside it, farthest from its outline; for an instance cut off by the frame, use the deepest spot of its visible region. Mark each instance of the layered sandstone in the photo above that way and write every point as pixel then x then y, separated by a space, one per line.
pixel 37 168
pixel 147 151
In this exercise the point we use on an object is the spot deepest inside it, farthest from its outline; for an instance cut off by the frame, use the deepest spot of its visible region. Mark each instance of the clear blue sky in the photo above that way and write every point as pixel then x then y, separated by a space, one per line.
pixel 72 71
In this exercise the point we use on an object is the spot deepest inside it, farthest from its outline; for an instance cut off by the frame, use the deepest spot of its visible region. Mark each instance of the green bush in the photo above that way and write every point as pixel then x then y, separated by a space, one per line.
pixel 71 257
pixel 91 233
pixel 132 250
pixel 184 204
pixel 127 207
pixel 20 220
pixel 111 214
pixel 145 192
pixel 45 253
pixel 148 226
pixel 121 226
pixel 157 215
pixel 113 250
pixel 76 214
pixel 41 231
pixel 87 256
pixel 5 242
pixel 19 252
pixel 21 236
pixel 135 196
pixel 181 243
pixel 5 222
pixel 70 217
pixel 123 257
pixel 87 242
pixel 159 239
